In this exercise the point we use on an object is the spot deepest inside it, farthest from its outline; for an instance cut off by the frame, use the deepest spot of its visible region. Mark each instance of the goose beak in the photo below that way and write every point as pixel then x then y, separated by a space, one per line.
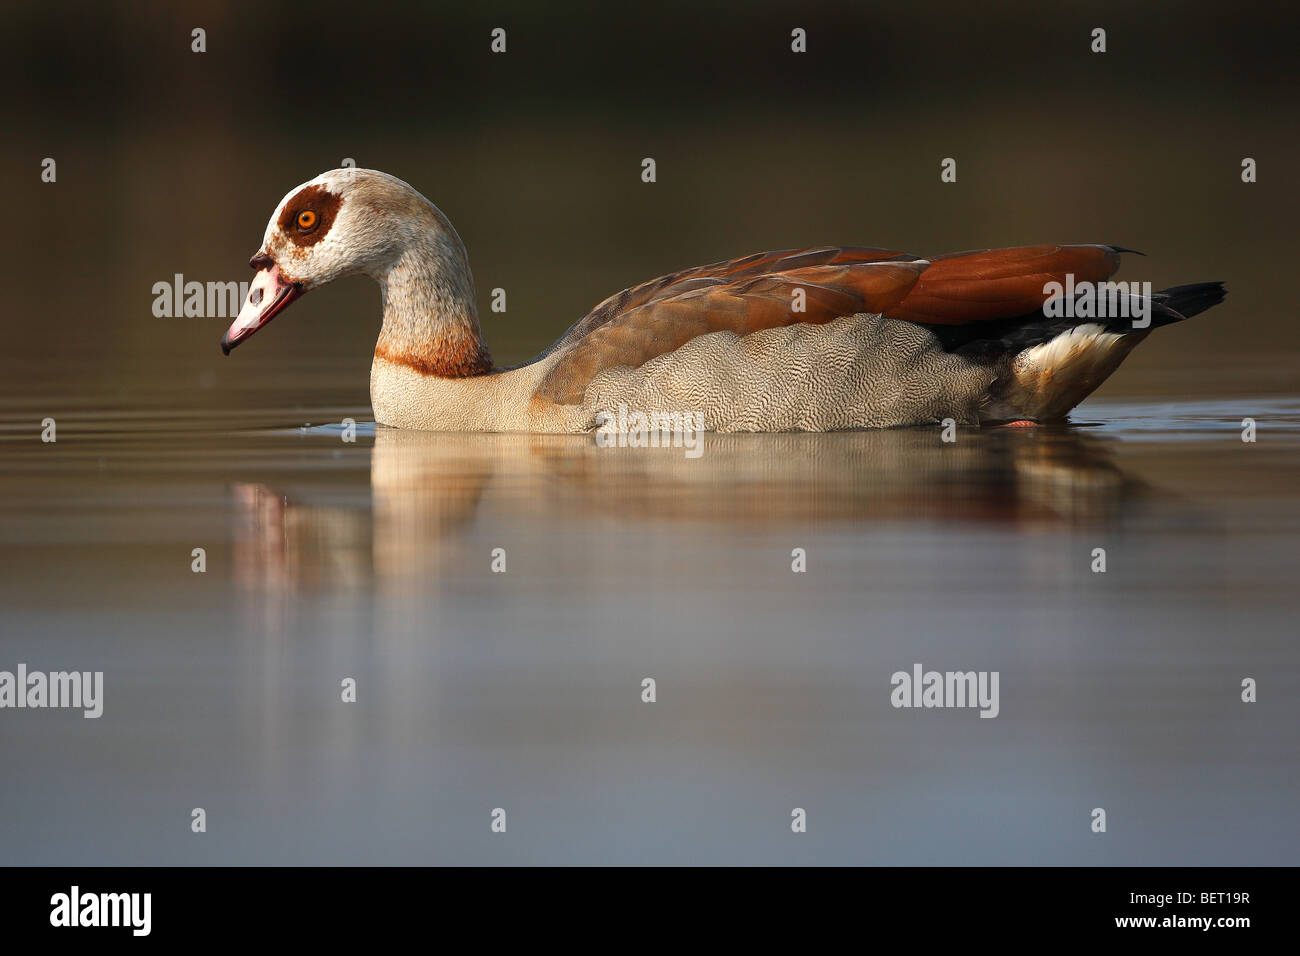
pixel 268 294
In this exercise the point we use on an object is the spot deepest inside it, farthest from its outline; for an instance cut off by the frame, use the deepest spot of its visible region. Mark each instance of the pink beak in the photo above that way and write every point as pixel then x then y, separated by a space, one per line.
pixel 268 294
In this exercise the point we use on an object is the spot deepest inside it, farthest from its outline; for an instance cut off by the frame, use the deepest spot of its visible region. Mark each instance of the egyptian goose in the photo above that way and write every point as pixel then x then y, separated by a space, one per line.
pixel 810 339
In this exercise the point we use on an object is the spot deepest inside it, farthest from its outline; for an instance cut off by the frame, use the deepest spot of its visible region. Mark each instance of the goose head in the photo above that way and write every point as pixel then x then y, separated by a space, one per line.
pixel 365 222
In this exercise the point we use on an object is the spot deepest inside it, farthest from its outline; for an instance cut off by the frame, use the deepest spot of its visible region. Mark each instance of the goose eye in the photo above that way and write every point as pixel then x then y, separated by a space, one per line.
pixel 306 219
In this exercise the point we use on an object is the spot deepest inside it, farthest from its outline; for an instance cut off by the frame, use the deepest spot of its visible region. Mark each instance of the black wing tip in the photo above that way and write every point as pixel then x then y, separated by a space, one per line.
pixel 1193 298
pixel 1108 246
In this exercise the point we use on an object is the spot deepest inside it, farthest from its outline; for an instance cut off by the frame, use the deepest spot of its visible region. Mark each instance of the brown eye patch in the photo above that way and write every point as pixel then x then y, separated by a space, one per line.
pixel 307 217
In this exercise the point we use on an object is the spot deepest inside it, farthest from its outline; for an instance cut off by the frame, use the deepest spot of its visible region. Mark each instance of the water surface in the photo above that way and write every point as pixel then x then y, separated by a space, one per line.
pixel 522 690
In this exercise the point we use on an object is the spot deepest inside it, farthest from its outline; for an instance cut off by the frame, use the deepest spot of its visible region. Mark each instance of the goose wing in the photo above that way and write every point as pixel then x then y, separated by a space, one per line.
pixel 774 289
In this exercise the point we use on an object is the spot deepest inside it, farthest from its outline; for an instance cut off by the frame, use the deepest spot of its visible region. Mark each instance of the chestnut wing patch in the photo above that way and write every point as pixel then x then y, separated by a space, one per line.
pixel 741 296
pixel 999 283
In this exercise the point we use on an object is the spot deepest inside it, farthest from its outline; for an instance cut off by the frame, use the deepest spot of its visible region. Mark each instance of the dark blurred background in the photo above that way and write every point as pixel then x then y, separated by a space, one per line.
pixel 171 162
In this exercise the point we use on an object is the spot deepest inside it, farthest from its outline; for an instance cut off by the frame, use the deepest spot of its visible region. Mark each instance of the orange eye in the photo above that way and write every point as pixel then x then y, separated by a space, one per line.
pixel 306 219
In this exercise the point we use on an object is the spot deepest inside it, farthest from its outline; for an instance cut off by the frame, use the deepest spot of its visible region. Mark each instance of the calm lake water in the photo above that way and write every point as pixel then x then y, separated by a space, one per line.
pixel 371 560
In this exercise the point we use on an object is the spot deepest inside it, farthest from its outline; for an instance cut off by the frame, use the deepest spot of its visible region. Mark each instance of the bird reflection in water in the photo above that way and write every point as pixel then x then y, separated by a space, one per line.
pixel 427 490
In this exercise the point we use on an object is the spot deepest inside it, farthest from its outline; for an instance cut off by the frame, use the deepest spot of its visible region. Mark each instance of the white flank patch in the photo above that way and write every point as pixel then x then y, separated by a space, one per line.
pixel 1089 342
pixel 1060 373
